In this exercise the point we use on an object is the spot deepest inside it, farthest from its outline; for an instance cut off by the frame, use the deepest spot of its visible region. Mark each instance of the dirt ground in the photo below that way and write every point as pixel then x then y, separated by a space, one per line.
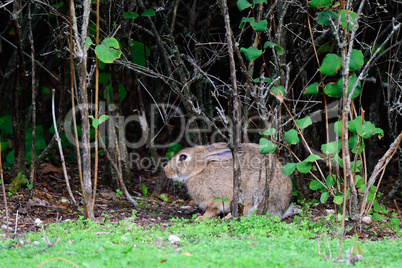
pixel 50 200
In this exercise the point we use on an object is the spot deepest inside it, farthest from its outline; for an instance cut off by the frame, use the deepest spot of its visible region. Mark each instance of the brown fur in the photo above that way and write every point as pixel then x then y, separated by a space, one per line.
pixel 207 171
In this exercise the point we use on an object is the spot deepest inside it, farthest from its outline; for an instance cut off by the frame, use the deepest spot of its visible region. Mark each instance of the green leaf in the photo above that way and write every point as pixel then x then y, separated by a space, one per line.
pixel 244 20
pixel 368 129
pixel 17 182
pixel 288 169
pixel 395 222
pixel 108 51
pixel 324 49
pixel 4 145
pixel 139 51
pixel 122 92
pixel 144 190
pixel 338 199
pixel 173 149
pixel 278 48
pixel 45 90
pixel 359 181
pixel 260 26
pixel 312 158
pixel 338 160
pixel 331 64
pixel 347 18
pixel 259 1
pixel 353 124
pixel 278 92
pixel 332 148
pixel 104 78
pixel 243 4
pixel 356 60
pixel 226 200
pixel 291 136
pixel 353 144
pixel 304 122
pixel 266 146
pixel 352 81
pixel 251 53
pixel 6 124
pixel 320 3
pixel 169 155
pixel 377 217
pixel 95 122
pixel 330 180
pixel 316 185
pixel 148 13
pixel 88 43
pixel 324 17
pixel 338 128
pixel 358 165
pixel 218 199
pixel 266 80
pixel 333 90
pixel 311 89
pixel 130 15
pixel 304 167
pixel 324 197
pixel 103 118
pixel 269 132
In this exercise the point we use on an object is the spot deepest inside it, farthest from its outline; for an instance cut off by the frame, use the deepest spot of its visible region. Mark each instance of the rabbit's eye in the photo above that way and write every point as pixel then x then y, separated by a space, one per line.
pixel 182 157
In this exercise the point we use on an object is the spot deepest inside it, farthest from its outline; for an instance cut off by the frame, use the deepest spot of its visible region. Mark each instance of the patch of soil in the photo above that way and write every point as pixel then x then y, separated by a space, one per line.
pixel 50 200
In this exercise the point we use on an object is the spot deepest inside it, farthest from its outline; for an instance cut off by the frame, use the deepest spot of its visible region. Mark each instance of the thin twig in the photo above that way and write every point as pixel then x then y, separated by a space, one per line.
pixel 118 171
pixel 33 108
pixel 72 15
pixel 96 107
pixel 4 192
pixel 16 222
pixel 381 164
pixel 61 154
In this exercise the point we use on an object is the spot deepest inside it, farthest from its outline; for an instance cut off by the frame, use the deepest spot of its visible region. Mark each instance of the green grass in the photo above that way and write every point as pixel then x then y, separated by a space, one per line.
pixel 252 242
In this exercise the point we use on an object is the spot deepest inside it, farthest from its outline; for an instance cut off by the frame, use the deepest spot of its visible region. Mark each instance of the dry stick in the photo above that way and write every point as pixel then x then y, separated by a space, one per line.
pixel 61 153
pixel 49 244
pixel 16 222
pixel 33 109
pixel 347 173
pixel 237 194
pixel 4 191
pixel 118 171
pixel 96 106
pixel 397 208
pixel 73 101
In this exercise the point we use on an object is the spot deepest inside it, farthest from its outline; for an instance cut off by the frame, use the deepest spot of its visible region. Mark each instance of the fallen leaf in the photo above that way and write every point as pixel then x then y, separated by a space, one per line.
pixel 49 168
pixel 188 254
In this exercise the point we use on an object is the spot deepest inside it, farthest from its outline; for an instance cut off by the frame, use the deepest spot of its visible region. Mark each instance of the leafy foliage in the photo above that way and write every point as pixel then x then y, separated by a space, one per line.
pixel 109 50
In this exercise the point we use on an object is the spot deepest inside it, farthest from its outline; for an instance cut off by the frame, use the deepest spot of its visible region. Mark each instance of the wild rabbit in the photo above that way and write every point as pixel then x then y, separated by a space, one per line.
pixel 207 171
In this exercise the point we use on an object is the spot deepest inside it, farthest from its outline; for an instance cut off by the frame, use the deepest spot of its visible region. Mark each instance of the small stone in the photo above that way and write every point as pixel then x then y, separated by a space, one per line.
pixel 174 239
pixel 366 219
pixel 38 222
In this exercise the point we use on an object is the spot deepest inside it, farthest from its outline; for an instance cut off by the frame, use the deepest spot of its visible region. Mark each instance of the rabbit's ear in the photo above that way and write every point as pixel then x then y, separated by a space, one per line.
pixel 218 156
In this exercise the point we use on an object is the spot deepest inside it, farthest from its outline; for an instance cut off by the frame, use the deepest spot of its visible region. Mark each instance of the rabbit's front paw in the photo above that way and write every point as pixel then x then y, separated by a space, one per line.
pixel 210 214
